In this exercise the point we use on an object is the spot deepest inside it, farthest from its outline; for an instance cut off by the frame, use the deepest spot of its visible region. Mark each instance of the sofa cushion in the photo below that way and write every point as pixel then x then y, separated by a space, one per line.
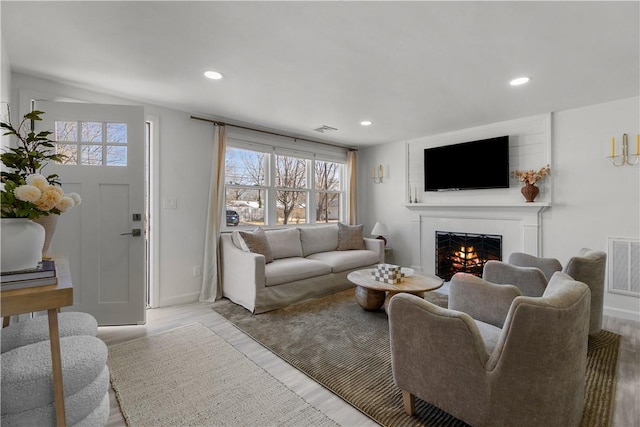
pixel 287 270
pixel 284 243
pixel 320 238
pixel 343 261
pixel 350 237
pixel 255 242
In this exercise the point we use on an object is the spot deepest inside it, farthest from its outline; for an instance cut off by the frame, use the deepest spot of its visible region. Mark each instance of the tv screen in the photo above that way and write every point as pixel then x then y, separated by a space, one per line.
pixel 468 165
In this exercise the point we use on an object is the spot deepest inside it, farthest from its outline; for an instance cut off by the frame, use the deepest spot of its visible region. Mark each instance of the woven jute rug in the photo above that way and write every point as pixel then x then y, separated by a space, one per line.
pixel 347 350
pixel 192 377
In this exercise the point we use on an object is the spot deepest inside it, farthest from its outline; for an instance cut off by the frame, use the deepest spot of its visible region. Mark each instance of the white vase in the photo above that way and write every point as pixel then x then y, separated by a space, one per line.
pixel 22 242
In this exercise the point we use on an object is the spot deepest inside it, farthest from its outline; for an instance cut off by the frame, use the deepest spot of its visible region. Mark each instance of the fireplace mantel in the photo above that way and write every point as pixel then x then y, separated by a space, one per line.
pixel 534 206
pixel 519 224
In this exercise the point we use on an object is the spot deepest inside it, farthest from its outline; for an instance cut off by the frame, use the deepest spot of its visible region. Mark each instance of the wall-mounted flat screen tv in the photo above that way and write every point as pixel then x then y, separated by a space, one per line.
pixel 468 165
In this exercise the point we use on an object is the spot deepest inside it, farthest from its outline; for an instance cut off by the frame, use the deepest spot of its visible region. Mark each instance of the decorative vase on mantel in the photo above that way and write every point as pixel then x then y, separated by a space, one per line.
pixel 21 243
pixel 49 222
pixel 530 192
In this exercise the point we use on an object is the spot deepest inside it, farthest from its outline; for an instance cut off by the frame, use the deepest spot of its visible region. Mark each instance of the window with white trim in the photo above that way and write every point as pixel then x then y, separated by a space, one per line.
pixel 267 186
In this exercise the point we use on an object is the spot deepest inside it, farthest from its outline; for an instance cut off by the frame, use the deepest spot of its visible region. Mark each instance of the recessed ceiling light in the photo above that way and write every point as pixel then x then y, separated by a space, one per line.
pixel 366 123
pixel 519 81
pixel 213 75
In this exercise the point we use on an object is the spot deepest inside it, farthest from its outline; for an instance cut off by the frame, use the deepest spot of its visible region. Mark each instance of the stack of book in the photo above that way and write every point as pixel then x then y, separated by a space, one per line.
pixel 388 273
pixel 44 274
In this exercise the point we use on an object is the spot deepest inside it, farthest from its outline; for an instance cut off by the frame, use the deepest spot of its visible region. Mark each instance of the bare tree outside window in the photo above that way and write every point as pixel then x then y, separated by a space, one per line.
pixel 291 173
pixel 327 178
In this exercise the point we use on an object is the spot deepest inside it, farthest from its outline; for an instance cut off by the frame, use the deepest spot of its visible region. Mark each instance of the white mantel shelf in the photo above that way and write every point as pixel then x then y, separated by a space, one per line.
pixel 534 205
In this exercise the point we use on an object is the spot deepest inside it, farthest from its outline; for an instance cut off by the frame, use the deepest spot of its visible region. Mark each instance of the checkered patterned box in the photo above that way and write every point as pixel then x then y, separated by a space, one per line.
pixel 388 273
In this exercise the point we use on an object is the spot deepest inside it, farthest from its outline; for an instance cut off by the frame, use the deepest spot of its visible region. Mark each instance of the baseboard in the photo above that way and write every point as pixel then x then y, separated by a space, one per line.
pixel 622 314
pixel 180 299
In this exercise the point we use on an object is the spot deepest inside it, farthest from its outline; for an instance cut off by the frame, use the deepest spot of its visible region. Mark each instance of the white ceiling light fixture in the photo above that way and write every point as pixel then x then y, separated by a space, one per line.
pixel 213 75
pixel 520 81
pixel 366 123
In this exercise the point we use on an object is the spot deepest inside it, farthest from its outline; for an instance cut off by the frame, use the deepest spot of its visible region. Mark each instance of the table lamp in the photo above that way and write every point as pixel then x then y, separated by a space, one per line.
pixel 381 230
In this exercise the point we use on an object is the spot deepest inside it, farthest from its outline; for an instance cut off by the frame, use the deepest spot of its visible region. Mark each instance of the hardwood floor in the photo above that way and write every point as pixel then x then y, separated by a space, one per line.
pixel 627 397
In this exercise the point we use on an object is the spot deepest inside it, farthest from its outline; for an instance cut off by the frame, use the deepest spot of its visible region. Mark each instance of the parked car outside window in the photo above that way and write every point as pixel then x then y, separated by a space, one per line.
pixel 232 218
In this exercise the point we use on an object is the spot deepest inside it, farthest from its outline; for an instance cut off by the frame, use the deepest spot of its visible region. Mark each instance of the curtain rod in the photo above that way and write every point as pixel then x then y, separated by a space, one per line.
pixel 219 123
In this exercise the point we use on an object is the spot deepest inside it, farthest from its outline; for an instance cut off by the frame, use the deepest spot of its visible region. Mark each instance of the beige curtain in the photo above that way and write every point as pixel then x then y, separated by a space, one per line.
pixel 352 180
pixel 211 275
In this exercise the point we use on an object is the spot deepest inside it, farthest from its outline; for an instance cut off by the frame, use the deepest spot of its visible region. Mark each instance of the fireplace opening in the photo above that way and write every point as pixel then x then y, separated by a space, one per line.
pixel 465 252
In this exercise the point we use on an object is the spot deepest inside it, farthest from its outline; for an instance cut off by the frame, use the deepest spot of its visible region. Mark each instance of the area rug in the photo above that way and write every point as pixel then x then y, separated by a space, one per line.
pixel 192 377
pixel 347 350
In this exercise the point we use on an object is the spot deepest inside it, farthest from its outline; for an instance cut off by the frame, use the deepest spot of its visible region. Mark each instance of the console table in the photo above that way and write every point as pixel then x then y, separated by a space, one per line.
pixel 50 298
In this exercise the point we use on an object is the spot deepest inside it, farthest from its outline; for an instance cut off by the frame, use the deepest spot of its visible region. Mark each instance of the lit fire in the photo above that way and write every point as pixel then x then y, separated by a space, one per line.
pixel 465 257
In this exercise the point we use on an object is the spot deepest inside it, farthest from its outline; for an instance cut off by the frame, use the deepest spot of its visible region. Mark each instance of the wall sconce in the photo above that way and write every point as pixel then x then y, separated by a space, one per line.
pixel 381 230
pixel 378 174
pixel 625 157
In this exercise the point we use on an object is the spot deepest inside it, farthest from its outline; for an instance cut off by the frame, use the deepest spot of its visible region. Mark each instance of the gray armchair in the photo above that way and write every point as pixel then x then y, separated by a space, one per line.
pixel 589 268
pixel 508 360
pixel 530 274
pixel 547 265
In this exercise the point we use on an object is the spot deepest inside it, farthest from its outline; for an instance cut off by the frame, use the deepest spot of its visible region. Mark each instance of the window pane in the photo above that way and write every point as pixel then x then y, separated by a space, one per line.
pixel 327 207
pixel 327 175
pixel 291 172
pixel 116 155
pixel 117 132
pixel 247 203
pixel 69 150
pixel 65 131
pixel 291 207
pixel 91 155
pixel 244 167
pixel 91 131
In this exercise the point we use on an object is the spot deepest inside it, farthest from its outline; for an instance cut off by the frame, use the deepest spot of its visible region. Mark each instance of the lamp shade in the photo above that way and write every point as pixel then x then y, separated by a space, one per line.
pixel 380 229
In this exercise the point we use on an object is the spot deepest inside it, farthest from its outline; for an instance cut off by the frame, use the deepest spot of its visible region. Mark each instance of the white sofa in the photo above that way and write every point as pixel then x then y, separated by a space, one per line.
pixel 308 262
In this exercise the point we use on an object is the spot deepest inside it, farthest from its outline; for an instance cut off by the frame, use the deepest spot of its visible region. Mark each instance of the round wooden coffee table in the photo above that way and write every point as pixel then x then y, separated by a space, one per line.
pixel 371 294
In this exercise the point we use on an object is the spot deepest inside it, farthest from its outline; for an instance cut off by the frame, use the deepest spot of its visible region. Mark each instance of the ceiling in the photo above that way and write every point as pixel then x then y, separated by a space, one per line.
pixel 413 68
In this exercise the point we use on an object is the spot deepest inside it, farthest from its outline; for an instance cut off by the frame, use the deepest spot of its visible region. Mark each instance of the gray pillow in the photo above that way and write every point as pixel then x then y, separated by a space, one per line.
pixel 256 242
pixel 284 243
pixel 350 237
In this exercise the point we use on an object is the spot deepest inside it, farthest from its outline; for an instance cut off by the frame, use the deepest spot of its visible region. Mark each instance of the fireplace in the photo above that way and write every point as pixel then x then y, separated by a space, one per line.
pixel 465 252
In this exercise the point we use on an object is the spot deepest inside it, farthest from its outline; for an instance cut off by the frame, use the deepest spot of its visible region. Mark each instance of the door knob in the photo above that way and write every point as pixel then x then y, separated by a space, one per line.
pixel 134 232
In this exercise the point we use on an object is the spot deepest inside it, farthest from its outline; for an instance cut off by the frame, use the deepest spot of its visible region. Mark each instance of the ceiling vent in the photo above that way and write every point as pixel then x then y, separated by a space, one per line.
pixel 325 128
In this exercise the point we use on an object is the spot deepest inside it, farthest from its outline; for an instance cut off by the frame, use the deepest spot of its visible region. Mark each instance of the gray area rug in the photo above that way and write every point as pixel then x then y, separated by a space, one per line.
pixel 192 377
pixel 347 350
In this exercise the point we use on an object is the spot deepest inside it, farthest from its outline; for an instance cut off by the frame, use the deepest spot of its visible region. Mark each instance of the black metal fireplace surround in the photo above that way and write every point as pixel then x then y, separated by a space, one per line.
pixel 465 252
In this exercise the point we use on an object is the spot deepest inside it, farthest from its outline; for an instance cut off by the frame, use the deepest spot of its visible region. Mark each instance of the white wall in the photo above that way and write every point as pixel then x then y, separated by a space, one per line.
pixel 592 199
pixel 184 171
pixel 5 80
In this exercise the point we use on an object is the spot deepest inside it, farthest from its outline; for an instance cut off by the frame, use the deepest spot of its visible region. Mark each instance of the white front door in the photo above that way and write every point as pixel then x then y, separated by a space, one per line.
pixel 105 145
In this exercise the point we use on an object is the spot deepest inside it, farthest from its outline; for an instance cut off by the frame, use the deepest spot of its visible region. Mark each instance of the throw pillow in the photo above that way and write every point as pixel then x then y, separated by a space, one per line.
pixel 256 242
pixel 284 243
pixel 350 237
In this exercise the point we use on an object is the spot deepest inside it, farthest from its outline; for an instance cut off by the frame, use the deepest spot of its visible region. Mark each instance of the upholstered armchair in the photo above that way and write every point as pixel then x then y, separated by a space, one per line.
pixel 547 265
pixel 589 267
pixel 495 357
pixel 531 274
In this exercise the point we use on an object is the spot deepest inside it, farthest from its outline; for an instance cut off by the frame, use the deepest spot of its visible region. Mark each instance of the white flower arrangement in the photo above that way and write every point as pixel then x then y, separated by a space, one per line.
pixel 36 197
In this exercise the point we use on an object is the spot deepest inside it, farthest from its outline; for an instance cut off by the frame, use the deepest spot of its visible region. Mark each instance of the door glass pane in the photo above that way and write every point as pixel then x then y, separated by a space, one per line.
pixel 65 131
pixel 291 207
pixel 116 155
pixel 69 150
pixel 327 207
pixel 91 155
pixel 91 132
pixel 117 133
pixel 244 167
